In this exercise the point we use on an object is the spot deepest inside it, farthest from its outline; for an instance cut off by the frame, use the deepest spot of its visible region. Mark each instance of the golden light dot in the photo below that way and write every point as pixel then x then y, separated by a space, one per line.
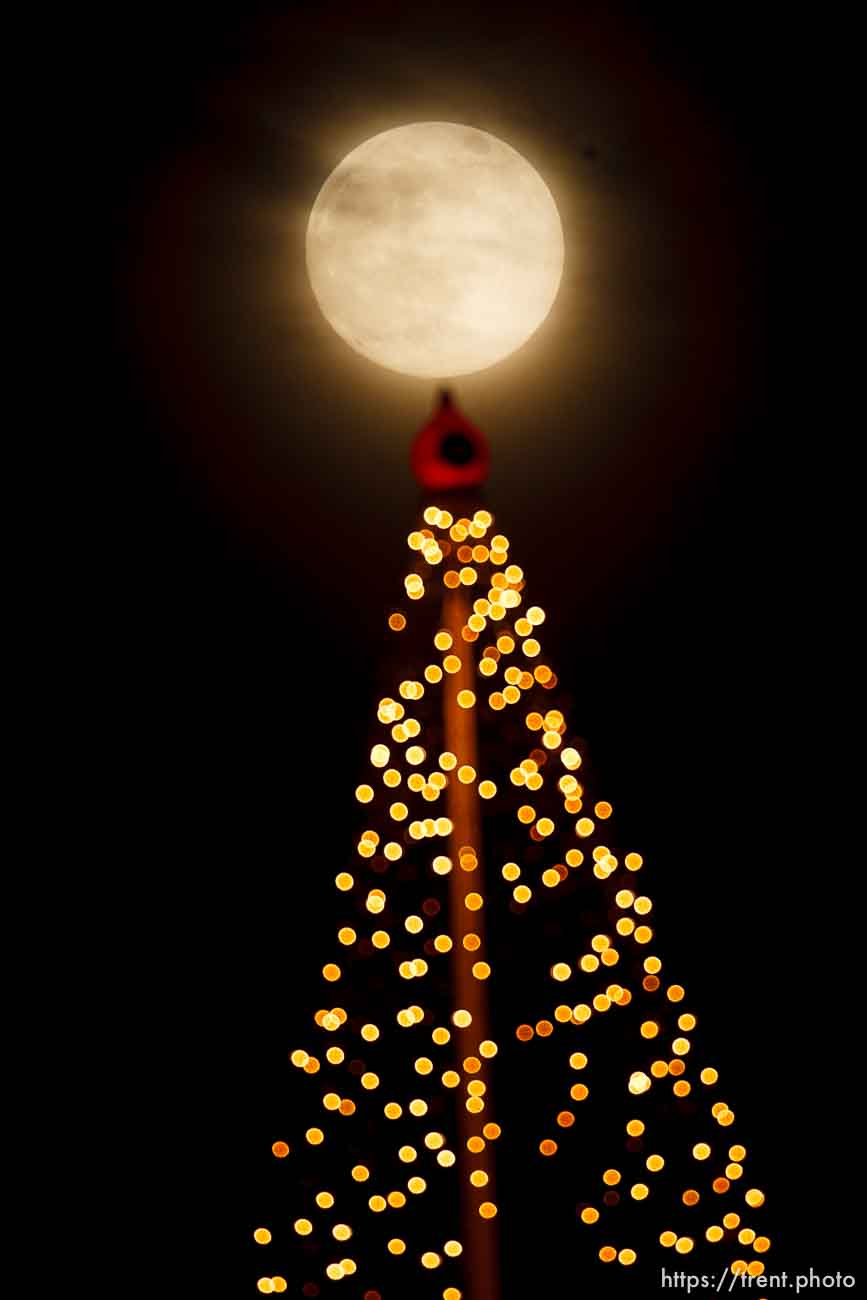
pixel 701 1150
pixel 690 1197
pixel 638 1082
pixel 734 1171
pixel 684 1245
pixel 667 1238
pixel 680 1046
pixel 430 1259
pixel 262 1236
pixel 315 1136
pixel 579 1092
pixel 324 1200
pixel 265 1285
pixel 466 699
pixel 452 1293
pixel 754 1197
pixel 461 1019
pixel 341 1231
pixel 377 1204
pixel 380 939
pixel 522 893
pixel 643 934
pixel 396 1200
pixel 649 1029
pixel 481 970
pixel 492 1131
pixel 721 1185
pixel 633 862
pixel 369 1080
pixel 761 1244
pixel 473 902
pixel 639 1191
pixel 589 1214
pixel 627 1256
pixel 571 759
pixel 446 1159
pixel 611 1177
pixel 544 826
pixel 396 1246
pixel 682 1088
pixel 584 827
pixel 303 1227
pixel 479 1178
pixel 423 1065
pixel 331 972
pixel 487 789
pixel 344 881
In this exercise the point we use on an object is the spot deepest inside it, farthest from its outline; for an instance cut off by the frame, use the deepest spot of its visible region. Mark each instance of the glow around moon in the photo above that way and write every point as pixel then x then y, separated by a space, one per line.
pixel 435 249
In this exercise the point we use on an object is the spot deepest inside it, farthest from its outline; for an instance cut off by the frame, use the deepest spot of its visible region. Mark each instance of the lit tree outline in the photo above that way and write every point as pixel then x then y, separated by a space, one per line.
pixel 484 661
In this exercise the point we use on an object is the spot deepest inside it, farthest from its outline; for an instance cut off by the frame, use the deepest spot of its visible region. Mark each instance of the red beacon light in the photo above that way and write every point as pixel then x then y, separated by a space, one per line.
pixel 449 453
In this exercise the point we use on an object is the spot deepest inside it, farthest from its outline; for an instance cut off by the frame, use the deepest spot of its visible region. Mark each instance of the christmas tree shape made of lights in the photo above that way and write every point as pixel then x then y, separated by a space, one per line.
pixel 474 776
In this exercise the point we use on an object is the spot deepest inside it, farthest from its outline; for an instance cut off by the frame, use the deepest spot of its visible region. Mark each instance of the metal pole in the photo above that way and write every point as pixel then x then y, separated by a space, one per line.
pixel 481 1262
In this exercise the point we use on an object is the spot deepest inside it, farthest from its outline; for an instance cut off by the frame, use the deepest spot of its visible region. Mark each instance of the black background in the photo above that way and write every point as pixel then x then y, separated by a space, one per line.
pixel 695 596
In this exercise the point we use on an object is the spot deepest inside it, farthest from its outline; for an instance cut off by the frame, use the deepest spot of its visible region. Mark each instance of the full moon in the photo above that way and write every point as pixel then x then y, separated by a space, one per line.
pixel 435 249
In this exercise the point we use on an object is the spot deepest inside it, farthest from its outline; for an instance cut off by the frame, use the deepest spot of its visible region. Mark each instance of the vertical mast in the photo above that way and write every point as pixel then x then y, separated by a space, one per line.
pixel 470 994
pixel 450 460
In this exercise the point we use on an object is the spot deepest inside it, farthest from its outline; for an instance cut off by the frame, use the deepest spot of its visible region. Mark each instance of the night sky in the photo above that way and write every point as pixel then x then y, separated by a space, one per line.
pixel 650 464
